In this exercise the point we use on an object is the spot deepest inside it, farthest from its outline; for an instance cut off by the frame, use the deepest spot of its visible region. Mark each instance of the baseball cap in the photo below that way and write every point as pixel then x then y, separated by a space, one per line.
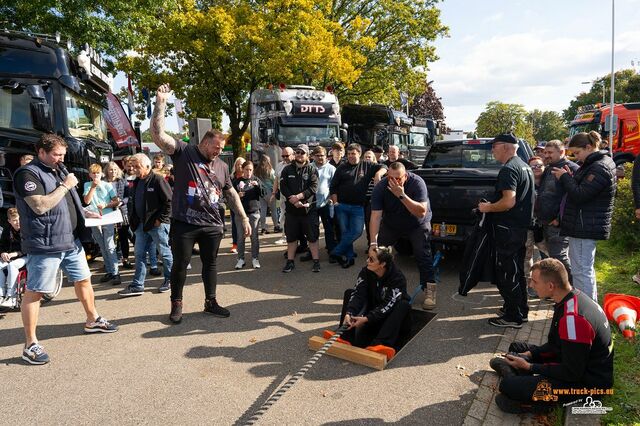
pixel 541 145
pixel 303 147
pixel 505 138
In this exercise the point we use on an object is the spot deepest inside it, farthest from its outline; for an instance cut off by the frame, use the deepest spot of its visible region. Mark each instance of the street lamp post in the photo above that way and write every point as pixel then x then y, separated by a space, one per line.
pixel 613 76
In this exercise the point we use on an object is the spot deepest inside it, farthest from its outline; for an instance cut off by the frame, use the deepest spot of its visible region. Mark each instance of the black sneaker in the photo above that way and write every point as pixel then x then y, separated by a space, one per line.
pixel 316 266
pixel 116 280
pixel 155 272
pixel 288 267
pixel 277 229
pixel 348 263
pixel 176 311
pixel 165 287
pixel 334 259
pixel 130 291
pixel 35 355
pixel 106 278
pixel 127 265
pixel 100 325
pixel 212 307
pixel 500 366
pixel 505 323
pixel 306 257
pixel 501 313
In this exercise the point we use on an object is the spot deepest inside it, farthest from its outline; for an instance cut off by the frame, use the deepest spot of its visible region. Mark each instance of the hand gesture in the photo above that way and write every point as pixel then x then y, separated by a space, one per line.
pixel 162 95
pixel 395 188
pixel 71 180
pixel 557 172
pixel 5 257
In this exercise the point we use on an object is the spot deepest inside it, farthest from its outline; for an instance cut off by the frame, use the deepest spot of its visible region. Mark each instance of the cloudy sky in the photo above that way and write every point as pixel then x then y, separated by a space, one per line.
pixel 534 53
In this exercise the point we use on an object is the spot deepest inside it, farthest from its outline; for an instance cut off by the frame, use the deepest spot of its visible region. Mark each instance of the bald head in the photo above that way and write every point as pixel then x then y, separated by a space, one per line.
pixel 394 153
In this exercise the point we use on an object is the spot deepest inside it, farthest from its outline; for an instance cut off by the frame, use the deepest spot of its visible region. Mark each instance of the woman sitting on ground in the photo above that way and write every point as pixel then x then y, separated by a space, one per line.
pixel 377 309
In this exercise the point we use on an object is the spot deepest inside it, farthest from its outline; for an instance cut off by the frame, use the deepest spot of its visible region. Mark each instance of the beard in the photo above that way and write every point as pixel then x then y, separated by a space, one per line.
pixel 301 163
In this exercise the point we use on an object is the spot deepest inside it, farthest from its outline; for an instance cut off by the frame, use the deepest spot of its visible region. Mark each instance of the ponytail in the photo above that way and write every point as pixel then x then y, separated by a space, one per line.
pixel 583 139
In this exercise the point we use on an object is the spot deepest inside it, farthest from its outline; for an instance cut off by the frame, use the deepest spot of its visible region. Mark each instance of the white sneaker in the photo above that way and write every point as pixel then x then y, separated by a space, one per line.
pixel 189 266
pixel 240 264
pixel 256 264
pixel 8 302
pixel 281 241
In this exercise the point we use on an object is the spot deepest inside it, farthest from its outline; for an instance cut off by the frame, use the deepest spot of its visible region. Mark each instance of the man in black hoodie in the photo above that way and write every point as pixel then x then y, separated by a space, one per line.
pixel 548 201
pixel 150 215
pixel 578 355
pixel 298 185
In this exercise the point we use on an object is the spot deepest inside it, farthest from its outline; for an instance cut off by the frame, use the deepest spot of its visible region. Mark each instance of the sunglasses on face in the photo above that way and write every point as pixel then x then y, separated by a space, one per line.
pixel 537 166
pixel 300 152
pixel 286 156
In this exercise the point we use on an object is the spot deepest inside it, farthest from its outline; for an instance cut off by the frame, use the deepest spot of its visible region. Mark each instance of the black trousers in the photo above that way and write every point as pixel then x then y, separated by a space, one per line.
pixel 510 247
pixel 421 244
pixel 525 387
pixel 391 332
pixel 123 240
pixel 183 238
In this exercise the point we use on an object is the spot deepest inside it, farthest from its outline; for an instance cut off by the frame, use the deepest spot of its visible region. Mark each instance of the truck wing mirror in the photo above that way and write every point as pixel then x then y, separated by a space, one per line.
pixel 41 117
pixel 343 134
pixel 35 91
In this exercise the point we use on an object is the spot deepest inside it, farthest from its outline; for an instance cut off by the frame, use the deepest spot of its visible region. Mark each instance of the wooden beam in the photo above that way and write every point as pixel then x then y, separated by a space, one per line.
pixel 350 353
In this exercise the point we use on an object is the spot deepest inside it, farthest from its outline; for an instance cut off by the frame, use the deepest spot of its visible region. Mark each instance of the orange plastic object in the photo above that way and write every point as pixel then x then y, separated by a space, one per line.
pixel 623 309
pixel 384 350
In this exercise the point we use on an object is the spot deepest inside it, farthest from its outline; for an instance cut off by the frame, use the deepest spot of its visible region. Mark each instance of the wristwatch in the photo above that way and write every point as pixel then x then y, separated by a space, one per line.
pixel 401 197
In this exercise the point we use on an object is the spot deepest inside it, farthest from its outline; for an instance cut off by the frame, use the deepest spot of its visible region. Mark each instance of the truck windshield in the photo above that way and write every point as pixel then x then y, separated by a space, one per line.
pixel 461 156
pixel 84 118
pixel 418 139
pixel 15 111
pixel 587 127
pixel 309 134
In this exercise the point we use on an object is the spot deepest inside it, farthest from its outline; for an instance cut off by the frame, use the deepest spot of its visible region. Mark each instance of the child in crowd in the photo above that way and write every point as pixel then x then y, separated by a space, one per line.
pixel 102 198
pixel 249 188
pixel 11 259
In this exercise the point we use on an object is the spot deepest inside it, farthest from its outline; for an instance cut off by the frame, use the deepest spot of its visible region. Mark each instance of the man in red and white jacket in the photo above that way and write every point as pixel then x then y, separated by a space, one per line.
pixel 577 356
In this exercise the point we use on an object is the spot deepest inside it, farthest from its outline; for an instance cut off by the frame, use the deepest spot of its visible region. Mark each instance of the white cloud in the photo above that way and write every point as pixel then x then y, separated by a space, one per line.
pixel 537 69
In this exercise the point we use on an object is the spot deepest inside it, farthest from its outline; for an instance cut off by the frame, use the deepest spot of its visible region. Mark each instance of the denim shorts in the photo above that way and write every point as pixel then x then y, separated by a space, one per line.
pixel 43 268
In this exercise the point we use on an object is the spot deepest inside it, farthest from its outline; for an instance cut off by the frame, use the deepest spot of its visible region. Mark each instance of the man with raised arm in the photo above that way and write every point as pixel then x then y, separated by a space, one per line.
pixel 201 178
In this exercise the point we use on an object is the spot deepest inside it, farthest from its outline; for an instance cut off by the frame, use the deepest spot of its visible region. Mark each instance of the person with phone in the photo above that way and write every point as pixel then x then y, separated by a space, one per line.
pixel 51 223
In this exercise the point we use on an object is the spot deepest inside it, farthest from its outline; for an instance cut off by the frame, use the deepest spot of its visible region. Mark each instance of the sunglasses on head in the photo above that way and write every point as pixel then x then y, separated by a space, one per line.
pixel 300 152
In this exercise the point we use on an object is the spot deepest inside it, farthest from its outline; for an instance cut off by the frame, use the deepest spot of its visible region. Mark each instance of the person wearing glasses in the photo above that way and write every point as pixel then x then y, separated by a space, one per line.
pixel 377 309
pixel 298 186
pixel 400 209
pixel 323 204
pixel 548 202
pixel 534 236
pixel 511 213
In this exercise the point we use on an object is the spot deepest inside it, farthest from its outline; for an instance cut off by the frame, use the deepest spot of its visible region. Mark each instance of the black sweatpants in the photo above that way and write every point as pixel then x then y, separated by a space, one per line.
pixel 510 246
pixel 390 332
pixel 421 244
pixel 123 240
pixel 183 238
pixel 523 387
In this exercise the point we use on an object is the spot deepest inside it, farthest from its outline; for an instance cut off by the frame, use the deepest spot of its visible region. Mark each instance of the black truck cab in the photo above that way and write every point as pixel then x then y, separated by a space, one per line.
pixel 44 89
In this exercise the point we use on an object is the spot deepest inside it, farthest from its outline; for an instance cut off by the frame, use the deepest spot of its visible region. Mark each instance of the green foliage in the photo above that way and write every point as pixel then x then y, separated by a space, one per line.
pixel 547 125
pixel 499 117
pixel 109 26
pixel 627 90
pixel 625 228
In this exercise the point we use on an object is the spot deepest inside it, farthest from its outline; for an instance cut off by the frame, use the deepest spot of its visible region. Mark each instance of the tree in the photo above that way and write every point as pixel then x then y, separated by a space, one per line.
pixel 395 38
pixel 499 117
pixel 109 26
pixel 427 103
pixel 547 125
pixel 214 54
pixel 627 90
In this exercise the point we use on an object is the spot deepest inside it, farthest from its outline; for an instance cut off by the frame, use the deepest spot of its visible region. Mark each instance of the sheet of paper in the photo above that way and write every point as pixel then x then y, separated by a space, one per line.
pixel 106 219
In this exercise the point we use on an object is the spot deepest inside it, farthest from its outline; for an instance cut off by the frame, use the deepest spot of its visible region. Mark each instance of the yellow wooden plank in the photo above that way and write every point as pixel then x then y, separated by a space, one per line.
pixel 350 353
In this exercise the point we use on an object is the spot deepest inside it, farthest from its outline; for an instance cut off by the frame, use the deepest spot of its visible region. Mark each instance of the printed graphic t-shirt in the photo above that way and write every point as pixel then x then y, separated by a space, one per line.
pixel 198 186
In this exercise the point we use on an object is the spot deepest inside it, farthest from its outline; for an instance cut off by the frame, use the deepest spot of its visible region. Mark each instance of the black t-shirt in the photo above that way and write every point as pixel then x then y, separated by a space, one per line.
pixel 198 186
pixel 516 176
pixel 249 191
pixel 395 215
pixel 27 184
pixel 350 181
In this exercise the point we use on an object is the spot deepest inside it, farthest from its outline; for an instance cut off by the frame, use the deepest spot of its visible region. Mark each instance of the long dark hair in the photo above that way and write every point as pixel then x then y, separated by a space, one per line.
pixel 583 139
pixel 264 168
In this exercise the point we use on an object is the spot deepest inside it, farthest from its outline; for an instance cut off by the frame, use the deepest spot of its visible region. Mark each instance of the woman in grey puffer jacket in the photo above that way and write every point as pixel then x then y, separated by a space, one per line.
pixel 586 216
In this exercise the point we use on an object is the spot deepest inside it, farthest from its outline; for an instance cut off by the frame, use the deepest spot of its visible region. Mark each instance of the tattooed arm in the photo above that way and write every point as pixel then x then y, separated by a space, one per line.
pixel 234 203
pixel 165 142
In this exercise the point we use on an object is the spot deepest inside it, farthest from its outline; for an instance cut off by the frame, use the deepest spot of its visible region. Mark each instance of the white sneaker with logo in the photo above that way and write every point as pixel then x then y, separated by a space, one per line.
pixel 240 264
pixel 256 264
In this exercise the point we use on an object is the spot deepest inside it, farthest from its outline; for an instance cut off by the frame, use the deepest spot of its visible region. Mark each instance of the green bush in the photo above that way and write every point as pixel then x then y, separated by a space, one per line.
pixel 625 228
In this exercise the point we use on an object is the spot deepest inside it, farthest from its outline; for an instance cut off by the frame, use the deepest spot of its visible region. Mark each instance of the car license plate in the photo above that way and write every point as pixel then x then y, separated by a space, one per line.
pixel 451 229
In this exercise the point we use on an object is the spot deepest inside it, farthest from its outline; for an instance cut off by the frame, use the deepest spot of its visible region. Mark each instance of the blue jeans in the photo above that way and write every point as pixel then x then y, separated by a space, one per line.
pixel 151 247
pixel 160 237
pixel 351 220
pixel 582 254
pixel 104 236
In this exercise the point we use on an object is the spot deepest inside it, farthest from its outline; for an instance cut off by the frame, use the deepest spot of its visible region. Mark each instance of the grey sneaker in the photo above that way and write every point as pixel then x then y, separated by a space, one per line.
pixel 165 287
pixel 35 355
pixel 100 325
pixel 131 291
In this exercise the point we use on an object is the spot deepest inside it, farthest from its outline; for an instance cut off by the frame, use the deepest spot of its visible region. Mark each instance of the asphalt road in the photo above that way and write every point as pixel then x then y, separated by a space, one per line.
pixel 209 370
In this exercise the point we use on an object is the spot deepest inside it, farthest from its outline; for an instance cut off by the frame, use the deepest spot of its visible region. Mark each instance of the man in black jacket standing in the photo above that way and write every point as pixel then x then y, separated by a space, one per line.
pixel 511 215
pixel 547 206
pixel 298 185
pixel 577 357
pixel 150 216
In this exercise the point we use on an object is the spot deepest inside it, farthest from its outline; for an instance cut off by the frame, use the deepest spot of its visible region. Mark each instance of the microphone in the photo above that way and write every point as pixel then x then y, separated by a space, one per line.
pixel 63 168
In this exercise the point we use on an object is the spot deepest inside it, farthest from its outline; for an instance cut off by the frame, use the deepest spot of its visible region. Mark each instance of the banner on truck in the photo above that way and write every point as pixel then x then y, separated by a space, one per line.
pixel 118 123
